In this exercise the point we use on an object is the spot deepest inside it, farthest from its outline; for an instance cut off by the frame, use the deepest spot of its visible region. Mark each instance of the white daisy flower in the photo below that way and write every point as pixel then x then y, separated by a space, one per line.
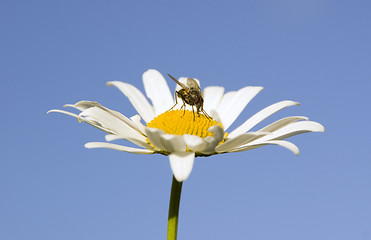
pixel 180 135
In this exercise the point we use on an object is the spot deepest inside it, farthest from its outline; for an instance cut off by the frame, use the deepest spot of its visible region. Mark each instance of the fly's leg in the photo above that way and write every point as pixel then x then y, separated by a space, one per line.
pixel 176 100
pixel 204 112
pixel 183 107
pixel 207 115
pixel 193 111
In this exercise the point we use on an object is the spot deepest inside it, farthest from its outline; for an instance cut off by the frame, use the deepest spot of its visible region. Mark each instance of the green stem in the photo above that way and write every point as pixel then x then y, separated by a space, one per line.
pixel 172 223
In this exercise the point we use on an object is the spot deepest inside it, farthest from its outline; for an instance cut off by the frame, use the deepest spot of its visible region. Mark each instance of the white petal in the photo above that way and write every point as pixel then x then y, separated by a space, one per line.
pixel 136 98
pixel 117 147
pixel 173 143
pixel 136 120
pixel 97 122
pixel 201 145
pixel 294 129
pixel 218 132
pixel 260 116
pixel 238 141
pixel 214 114
pixel 181 164
pixel 126 120
pixel 154 136
pixel 64 112
pixel 204 145
pixel 112 122
pixel 112 137
pixel 158 91
pixel 168 142
pixel 195 143
pixel 89 121
pixel 213 141
pixel 292 147
pixel 84 105
pixel 108 120
pixel 281 123
pixel 68 105
pixel 233 103
pixel 212 96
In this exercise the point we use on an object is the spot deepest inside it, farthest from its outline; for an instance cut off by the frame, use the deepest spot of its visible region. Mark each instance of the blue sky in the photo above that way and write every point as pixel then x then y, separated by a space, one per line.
pixel 58 52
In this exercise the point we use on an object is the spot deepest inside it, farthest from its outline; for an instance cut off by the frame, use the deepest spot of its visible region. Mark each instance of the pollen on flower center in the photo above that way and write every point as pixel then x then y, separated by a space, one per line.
pixel 182 122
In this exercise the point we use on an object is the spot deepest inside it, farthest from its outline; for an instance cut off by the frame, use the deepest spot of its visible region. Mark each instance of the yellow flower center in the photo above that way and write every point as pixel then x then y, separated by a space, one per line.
pixel 182 122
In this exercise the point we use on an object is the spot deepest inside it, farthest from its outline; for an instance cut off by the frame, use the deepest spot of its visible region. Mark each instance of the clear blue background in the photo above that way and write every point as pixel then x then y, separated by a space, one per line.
pixel 58 52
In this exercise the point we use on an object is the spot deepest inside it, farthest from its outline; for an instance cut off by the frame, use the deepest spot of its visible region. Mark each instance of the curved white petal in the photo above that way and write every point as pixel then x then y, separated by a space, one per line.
pixel 233 103
pixel 292 147
pixel 158 91
pixel 111 121
pixel 260 116
pixel 117 147
pixel 289 145
pixel 64 112
pixel 218 132
pixel 112 137
pixel 136 120
pixel 101 118
pixel 213 141
pixel 84 105
pixel 281 123
pixel 163 141
pixel 137 99
pixel 173 143
pixel 212 96
pixel 181 164
pixel 210 145
pixel 154 136
pixel 195 143
pixel 204 145
pixel 68 105
pixel 103 121
pixel 294 129
pixel 238 141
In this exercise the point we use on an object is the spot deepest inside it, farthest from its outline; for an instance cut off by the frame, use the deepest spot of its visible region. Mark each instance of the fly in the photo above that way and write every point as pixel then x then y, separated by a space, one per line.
pixel 191 95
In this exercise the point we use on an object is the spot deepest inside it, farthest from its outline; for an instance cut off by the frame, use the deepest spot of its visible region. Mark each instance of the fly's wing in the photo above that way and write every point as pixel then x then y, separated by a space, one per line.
pixel 179 83
pixel 193 84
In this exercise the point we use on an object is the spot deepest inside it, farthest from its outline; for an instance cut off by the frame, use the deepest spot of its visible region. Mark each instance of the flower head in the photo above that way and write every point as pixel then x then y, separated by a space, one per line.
pixel 181 134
